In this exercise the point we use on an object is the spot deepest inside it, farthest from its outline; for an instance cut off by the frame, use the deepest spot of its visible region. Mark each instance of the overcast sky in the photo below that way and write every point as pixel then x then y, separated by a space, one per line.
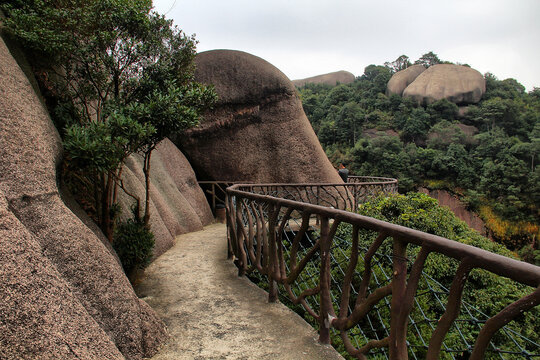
pixel 304 38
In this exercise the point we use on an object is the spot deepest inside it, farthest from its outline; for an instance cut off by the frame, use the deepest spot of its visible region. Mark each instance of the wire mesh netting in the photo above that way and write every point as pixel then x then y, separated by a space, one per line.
pixel 429 302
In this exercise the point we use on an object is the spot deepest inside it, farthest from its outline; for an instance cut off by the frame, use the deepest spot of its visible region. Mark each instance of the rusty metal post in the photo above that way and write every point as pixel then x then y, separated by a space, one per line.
pixel 398 344
pixel 324 283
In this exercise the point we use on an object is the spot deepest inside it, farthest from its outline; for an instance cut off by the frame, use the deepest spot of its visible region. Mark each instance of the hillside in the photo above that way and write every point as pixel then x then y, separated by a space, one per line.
pixel 484 150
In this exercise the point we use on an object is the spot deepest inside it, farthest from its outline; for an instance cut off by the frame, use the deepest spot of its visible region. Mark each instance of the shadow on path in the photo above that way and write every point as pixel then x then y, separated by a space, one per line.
pixel 211 313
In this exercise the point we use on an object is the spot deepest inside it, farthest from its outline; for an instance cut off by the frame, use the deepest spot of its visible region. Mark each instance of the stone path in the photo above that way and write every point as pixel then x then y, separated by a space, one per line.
pixel 211 313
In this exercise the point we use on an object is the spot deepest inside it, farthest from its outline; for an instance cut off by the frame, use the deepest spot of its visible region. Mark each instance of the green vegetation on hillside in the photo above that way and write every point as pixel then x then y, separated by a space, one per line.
pixel 117 78
pixel 488 155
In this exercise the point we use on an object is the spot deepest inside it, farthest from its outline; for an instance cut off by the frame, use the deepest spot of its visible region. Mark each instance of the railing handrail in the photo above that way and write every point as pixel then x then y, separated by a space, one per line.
pixel 384 179
pixel 498 264
pixel 380 180
pixel 258 214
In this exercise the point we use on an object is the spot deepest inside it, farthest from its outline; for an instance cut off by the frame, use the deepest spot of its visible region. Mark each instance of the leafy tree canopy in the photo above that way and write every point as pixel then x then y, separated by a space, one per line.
pixel 118 79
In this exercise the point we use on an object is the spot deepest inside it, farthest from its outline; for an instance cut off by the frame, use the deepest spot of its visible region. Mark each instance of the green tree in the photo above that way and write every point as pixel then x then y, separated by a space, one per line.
pixel 376 77
pixel 505 89
pixel 349 123
pixel 442 110
pixel 126 75
pixel 416 127
pixel 485 293
pixel 444 133
pixel 401 63
pixel 429 59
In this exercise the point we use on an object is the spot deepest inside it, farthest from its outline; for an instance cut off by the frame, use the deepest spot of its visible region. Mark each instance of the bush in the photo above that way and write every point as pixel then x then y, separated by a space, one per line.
pixel 134 244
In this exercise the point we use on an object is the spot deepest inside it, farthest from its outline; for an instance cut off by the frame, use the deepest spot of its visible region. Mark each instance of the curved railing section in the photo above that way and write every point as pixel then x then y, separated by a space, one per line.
pixel 361 280
pixel 355 179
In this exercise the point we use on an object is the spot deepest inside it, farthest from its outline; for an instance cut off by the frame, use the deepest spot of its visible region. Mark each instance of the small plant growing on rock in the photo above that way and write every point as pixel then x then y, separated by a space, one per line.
pixel 134 244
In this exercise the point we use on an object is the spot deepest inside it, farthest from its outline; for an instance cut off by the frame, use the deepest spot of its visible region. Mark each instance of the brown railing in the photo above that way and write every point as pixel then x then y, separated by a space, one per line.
pixel 215 192
pixel 291 236
pixel 372 186
pixel 355 179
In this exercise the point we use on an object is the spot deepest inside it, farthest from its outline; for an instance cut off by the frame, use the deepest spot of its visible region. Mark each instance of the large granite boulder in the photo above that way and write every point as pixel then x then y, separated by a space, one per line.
pixel 334 78
pixel 40 318
pixel 400 80
pixel 177 203
pixel 258 130
pixel 62 293
pixel 456 83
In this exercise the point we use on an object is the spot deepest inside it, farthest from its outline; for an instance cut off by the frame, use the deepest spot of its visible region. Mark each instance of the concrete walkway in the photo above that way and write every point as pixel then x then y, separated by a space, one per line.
pixel 211 313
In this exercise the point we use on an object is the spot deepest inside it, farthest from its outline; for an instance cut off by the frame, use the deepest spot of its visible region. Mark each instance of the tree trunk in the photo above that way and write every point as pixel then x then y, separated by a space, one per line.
pixel 97 180
pixel 117 180
pixel 106 197
pixel 146 170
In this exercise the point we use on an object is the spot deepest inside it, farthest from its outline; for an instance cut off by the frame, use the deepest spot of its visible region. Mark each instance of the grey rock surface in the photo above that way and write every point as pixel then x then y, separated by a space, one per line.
pixel 333 78
pixel 211 313
pixel 400 80
pixel 456 83
pixel 258 131
pixel 76 277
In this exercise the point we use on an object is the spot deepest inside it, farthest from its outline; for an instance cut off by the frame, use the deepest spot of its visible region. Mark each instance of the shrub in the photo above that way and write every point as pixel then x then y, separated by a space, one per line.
pixel 134 244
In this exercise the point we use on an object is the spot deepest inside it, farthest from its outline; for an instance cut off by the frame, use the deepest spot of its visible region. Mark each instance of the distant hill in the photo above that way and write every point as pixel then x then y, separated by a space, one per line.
pixel 342 76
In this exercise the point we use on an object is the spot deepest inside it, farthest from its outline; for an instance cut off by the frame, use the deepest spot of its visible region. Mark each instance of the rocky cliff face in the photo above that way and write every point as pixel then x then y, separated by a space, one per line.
pixel 258 130
pixel 63 294
pixel 334 78
pixel 458 208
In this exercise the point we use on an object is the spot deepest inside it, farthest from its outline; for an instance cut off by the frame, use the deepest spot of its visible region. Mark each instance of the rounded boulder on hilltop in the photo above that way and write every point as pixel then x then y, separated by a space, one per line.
pixel 400 80
pixel 456 83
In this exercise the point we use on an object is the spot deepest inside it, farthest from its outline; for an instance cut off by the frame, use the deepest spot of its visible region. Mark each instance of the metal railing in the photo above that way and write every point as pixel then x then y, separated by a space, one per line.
pixel 291 236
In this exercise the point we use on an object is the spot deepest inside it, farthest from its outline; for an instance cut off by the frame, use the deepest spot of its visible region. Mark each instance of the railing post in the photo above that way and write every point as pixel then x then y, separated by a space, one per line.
pixel 355 199
pixel 240 239
pixel 324 283
pixel 228 217
pixel 317 217
pixel 214 198
pixel 273 212
pixel 398 344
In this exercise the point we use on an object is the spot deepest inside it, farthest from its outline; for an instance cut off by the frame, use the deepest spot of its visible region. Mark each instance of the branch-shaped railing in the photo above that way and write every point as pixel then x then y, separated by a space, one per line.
pixel 308 247
pixel 370 186
pixel 215 192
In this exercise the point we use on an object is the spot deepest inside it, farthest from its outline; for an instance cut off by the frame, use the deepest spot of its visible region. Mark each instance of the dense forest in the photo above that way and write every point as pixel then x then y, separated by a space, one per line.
pixel 487 153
